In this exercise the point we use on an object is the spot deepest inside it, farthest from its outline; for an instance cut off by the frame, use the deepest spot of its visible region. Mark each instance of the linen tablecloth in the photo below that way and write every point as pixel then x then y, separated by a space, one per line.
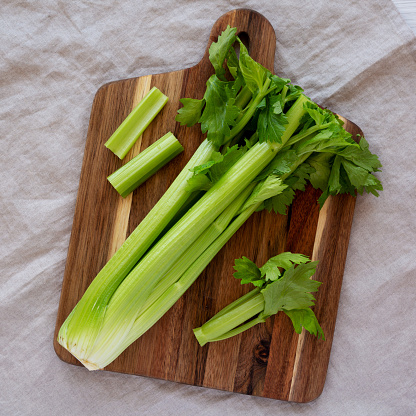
pixel 357 58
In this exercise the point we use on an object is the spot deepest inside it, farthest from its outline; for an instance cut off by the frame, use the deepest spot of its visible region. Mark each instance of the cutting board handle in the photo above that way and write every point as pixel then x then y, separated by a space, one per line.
pixel 254 29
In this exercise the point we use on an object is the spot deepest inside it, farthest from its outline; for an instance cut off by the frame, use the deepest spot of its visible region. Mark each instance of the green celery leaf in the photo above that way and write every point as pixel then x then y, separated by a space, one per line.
pixel 277 107
pixel 294 92
pixel 270 125
pixel 220 112
pixel 232 63
pixel 234 68
pixel 247 271
pixel 191 111
pixel 351 171
pixel 270 269
pixel 321 162
pixel 278 83
pixel 279 203
pixel 334 184
pixel 224 162
pixel 296 181
pixel 198 182
pixel 266 189
pixel 332 139
pixel 280 165
pixel 254 74
pixel 318 114
pixel 305 318
pixel 361 179
pixel 207 174
pixel 218 50
pixel 292 290
pixel 361 156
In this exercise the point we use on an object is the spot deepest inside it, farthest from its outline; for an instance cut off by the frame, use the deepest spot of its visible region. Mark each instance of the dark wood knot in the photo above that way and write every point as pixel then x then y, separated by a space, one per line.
pixel 261 352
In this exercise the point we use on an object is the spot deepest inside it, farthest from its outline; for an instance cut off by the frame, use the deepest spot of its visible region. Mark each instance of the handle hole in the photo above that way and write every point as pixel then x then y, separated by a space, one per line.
pixel 245 40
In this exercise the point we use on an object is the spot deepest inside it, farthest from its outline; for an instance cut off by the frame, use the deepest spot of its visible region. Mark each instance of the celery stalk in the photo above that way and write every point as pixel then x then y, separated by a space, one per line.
pixel 158 308
pixel 232 321
pixel 80 329
pixel 145 164
pixel 172 286
pixel 127 302
pixel 123 139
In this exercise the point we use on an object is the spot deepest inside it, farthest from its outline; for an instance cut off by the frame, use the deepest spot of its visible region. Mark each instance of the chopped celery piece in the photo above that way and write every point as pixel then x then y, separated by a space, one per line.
pixel 145 164
pixel 136 123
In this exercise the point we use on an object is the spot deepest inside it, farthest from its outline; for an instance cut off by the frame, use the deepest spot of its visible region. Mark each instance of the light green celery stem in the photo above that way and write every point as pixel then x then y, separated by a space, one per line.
pixel 202 243
pixel 243 97
pixel 236 303
pixel 136 123
pixel 228 324
pixel 179 278
pixel 236 314
pixel 284 92
pixel 145 164
pixel 297 137
pixel 250 110
pixel 238 330
pixel 79 331
pixel 153 313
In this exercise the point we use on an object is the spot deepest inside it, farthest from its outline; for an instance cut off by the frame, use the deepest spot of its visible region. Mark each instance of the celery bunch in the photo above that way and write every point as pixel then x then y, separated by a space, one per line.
pixel 265 139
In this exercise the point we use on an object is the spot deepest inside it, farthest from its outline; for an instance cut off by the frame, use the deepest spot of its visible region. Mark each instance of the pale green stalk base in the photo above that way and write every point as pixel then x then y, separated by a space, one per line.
pixel 123 139
pixel 130 176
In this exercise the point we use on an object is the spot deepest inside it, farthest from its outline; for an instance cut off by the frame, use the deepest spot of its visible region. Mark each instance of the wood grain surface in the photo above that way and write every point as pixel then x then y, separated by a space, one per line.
pixel 269 360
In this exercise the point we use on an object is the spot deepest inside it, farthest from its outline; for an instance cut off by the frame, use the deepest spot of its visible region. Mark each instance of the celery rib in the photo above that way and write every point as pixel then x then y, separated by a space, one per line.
pixel 123 139
pixel 178 279
pixel 80 329
pixel 145 164
pixel 226 324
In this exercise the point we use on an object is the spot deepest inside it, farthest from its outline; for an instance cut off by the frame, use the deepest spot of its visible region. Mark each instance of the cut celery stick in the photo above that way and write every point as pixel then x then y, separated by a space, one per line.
pixel 145 164
pixel 136 123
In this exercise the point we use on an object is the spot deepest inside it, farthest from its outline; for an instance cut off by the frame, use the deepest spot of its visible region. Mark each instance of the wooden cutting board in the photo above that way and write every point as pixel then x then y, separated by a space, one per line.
pixel 270 360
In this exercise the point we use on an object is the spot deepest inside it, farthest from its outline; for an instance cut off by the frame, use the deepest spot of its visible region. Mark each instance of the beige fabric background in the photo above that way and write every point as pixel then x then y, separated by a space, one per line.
pixel 355 57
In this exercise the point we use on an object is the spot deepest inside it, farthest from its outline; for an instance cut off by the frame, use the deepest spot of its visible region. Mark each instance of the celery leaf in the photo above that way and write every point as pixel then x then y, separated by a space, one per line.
pixel 268 188
pixel 191 111
pixel 254 74
pixel 247 271
pixel 219 112
pixel 292 290
pixel 296 181
pixel 272 122
pixel 305 318
pixel 207 174
pixel 270 270
pixel 219 50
